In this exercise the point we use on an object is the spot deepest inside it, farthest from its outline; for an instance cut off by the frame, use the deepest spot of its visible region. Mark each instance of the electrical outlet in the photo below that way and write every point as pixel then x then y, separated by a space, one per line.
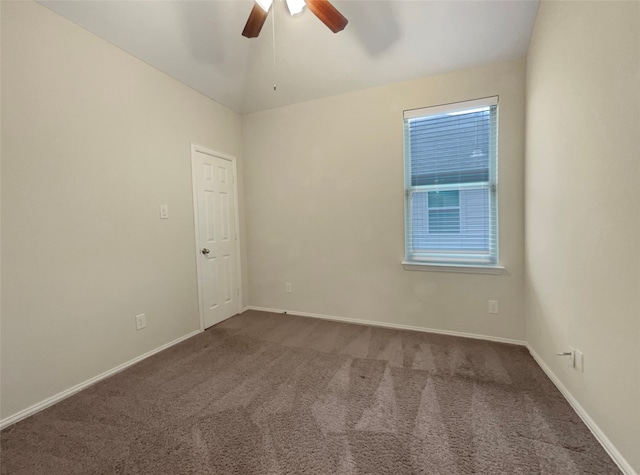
pixel 579 361
pixel 288 287
pixel 493 306
pixel 141 321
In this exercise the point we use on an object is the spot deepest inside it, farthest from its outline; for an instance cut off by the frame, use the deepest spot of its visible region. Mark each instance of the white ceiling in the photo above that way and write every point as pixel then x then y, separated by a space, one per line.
pixel 200 43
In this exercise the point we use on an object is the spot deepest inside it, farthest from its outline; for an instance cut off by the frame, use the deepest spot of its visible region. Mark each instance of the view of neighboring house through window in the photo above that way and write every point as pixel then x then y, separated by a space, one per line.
pixel 450 176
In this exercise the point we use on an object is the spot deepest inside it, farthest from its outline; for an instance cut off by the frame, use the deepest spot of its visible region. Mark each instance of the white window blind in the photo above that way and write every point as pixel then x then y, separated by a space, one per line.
pixel 450 179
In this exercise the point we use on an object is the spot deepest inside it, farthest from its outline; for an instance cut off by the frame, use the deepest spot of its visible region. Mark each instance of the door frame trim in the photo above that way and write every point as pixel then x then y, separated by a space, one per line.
pixel 207 151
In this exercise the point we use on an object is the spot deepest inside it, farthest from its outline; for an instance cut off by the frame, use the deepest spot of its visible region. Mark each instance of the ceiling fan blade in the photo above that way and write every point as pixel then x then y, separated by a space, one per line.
pixel 328 14
pixel 255 21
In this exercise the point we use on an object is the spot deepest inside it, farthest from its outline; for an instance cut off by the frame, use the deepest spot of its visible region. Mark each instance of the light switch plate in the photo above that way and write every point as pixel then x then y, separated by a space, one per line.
pixel 579 361
pixel 572 357
pixel 141 321
pixel 164 212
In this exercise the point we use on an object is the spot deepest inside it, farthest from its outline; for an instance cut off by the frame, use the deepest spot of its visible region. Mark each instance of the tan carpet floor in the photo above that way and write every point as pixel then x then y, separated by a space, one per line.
pixel 266 393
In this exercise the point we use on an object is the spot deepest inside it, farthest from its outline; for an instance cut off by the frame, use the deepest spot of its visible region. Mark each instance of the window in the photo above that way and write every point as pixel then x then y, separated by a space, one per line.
pixel 450 175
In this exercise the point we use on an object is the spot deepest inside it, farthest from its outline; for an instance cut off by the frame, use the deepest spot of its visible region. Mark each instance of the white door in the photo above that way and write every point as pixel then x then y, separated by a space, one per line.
pixel 216 235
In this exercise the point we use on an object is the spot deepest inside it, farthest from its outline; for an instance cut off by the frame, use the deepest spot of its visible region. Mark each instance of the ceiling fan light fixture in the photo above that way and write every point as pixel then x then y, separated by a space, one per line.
pixel 264 4
pixel 326 13
pixel 296 6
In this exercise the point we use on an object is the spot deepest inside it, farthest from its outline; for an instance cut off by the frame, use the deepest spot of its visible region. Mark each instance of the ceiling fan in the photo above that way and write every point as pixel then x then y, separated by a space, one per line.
pixel 327 13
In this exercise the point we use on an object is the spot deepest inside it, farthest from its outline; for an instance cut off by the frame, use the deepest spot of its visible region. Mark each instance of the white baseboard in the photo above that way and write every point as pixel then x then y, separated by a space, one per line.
pixel 590 423
pixel 390 325
pixel 85 384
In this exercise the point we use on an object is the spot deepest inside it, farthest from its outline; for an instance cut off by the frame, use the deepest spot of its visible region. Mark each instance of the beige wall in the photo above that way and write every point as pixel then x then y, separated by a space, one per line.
pixel 93 141
pixel 582 213
pixel 324 198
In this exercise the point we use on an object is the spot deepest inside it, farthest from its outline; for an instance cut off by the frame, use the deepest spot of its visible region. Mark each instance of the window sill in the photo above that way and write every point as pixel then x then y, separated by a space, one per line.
pixel 464 269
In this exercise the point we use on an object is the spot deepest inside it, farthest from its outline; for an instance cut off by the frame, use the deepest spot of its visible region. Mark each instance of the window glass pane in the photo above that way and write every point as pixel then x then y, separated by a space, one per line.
pixel 449 149
pixel 444 199
pixel 444 221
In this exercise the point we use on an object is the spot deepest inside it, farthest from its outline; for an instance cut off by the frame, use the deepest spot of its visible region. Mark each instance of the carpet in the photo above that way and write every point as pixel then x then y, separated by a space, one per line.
pixel 265 393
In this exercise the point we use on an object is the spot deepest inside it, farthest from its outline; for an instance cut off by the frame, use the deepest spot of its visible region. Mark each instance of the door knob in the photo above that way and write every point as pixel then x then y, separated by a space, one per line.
pixel 205 251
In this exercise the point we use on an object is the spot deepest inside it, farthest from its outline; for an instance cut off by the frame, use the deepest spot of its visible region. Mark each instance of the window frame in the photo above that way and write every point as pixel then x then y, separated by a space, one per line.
pixel 457 261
